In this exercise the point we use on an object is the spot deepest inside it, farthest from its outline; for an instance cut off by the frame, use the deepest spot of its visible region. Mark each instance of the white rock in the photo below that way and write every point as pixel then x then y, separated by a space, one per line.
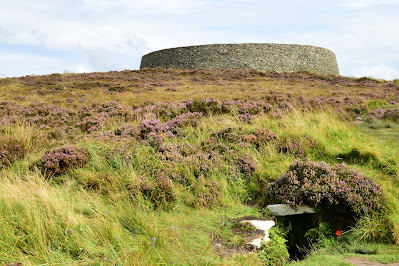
pixel 285 209
pixel 260 225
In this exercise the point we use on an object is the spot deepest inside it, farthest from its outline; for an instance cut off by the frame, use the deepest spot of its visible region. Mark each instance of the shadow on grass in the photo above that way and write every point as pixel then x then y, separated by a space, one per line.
pixel 362 158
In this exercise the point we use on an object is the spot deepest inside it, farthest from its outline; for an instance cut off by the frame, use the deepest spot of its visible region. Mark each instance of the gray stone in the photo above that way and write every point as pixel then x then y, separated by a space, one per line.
pixel 285 209
pixel 261 56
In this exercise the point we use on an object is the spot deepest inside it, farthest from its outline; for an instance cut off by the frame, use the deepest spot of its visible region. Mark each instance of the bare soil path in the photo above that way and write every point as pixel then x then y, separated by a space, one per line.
pixel 365 262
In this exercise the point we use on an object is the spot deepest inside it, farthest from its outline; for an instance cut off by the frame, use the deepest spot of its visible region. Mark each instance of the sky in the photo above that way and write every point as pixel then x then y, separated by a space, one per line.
pixel 74 36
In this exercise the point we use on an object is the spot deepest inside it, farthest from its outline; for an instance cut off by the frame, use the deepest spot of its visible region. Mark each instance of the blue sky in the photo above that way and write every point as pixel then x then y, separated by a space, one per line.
pixel 57 36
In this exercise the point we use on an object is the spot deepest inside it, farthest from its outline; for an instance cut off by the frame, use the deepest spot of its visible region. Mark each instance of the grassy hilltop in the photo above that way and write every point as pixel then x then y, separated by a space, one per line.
pixel 157 167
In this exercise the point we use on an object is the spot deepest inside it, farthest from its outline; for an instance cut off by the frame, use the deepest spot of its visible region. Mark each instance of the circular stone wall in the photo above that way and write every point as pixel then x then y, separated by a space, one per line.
pixel 262 56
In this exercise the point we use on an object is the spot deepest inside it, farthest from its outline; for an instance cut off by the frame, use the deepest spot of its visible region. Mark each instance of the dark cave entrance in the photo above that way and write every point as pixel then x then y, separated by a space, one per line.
pixel 297 244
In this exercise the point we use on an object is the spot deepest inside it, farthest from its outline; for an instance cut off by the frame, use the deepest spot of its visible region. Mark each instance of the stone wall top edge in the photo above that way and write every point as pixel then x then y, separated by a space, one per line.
pixel 239 44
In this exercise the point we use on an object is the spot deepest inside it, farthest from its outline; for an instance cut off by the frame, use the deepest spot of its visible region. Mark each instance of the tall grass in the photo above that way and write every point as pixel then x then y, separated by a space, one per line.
pixel 124 205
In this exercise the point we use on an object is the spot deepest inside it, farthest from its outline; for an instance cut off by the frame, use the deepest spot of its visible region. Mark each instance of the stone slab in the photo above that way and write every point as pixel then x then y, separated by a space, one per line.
pixel 260 225
pixel 285 209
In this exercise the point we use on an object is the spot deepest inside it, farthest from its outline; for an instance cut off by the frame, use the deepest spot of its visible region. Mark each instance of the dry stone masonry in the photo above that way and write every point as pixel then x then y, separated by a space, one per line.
pixel 261 56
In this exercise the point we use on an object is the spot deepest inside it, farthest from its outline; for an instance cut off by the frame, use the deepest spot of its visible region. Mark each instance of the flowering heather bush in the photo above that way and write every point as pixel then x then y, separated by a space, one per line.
pixel 166 110
pixel 249 108
pixel 45 116
pixel 246 118
pixel 151 131
pixel 263 136
pixel 341 191
pixel 226 134
pixel 206 194
pixel 246 166
pixel 383 113
pixel 212 145
pixel 208 107
pixel 159 191
pixel 61 160
pixel 151 126
pixel 170 152
pixel 111 109
pixel 257 138
pixel 92 123
pixel 11 150
pixel 202 163
pixel 187 163
pixel 184 120
pixel 392 114
pixel 154 131
pixel 38 114
pixel 253 107
pixel 296 145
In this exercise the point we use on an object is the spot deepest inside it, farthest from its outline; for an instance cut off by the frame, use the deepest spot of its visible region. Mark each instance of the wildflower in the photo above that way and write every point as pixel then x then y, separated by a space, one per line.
pixel 107 212
pixel 153 239
pixel 152 243
pixel 177 234
pixel 172 227
pixel 338 232
pixel 105 258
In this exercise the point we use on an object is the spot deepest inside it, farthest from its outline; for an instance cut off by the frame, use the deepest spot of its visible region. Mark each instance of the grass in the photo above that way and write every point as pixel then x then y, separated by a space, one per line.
pixel 124 205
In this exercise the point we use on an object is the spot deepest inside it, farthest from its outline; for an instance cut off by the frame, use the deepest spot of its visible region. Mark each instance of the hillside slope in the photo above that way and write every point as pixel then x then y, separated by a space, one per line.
pixel 157 166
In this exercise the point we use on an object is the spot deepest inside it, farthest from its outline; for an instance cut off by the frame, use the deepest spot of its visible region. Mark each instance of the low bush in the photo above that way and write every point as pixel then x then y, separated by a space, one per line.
pixel 159 191
pixel 61 160
pixel 208 107
pixel 206 194
pixel 341 195
pixel 11 150
pixel 384 113
pixel 246 166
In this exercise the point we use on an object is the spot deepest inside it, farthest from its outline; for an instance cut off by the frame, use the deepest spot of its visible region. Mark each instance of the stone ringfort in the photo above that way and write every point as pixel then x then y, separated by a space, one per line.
pixel 261 56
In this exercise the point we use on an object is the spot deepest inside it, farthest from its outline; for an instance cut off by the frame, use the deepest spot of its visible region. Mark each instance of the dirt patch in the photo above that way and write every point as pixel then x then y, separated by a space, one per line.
pixel 224 250
pixel 358 261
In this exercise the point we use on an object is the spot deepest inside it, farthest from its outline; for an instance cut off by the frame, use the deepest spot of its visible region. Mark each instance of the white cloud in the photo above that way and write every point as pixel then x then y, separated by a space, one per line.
pixel 28 64
pixel 355 4
pixel 148 6
pixel 382 71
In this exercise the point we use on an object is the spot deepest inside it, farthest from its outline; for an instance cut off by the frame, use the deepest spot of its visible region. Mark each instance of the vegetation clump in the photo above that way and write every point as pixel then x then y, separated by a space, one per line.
pixel 337 191
pixel 61 160
pixel 274 252
pixel 11 150
pixel 167 149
